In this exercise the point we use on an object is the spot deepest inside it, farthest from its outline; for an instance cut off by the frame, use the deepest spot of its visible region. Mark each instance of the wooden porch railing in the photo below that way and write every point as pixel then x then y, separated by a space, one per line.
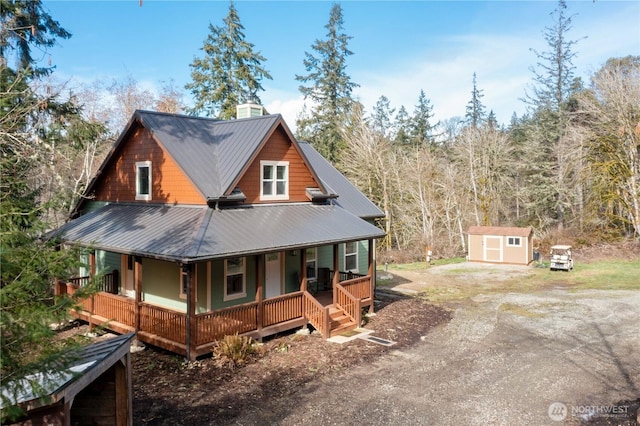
pixel 358 287
pixel 282 308
pixel 212 326
pixel 163 322
pixel 316 314
pixel 115 308
pixel 350 304
pixel 346 276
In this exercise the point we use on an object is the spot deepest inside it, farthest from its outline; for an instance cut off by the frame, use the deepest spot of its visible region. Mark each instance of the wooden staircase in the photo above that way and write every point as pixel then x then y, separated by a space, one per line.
pixel 339 322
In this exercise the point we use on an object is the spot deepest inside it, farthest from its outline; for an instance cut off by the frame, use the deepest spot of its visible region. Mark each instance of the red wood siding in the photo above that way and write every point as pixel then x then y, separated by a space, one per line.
pixel 278 148
pixel 170 185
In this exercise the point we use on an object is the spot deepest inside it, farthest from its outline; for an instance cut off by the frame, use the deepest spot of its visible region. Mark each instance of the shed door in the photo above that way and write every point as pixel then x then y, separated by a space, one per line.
pixel 492 248
pixel 273 275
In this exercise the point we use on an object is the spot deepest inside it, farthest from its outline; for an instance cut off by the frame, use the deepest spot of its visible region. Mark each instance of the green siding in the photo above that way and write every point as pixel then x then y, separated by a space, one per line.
pixel 161 284
pixel 218 282
pixel 292 271
pixel 107 261
pixel 201 277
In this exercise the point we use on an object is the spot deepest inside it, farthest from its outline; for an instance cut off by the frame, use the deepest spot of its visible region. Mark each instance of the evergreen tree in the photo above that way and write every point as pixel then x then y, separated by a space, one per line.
pixel 475 113
pixel 403 132
pixel 328 86
pixel 381 117
pixel 26 25
pixel 30 133
pixel 420 126
pixel 554 83
pixel 230 72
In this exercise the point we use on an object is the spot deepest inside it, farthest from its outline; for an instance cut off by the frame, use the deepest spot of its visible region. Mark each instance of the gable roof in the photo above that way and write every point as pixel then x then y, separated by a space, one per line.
pixel 510 231
pixel 212 153
pixel 196 233
pixel 349 197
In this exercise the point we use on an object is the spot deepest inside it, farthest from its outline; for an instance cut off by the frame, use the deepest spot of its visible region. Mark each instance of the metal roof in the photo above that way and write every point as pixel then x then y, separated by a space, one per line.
pixel 211 152
pixel 190 234
pixel 350 198
pixel 90 361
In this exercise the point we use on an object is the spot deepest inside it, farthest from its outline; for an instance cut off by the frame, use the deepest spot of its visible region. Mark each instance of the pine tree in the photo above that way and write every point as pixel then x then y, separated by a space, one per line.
pixel 230 72
pixel 328 86
pixel 554 83
pixel 420 126
pixel 381 117
pixel 475 112
pixel 402 122
pixel 31 131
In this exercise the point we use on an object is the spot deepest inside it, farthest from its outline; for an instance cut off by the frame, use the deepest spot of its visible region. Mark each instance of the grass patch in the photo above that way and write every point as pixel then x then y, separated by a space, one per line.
pixel 514 309
pixel 458 284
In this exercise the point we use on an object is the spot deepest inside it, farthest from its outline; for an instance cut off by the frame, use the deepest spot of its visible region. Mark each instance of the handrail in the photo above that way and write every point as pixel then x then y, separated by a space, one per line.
pixel 350 304
pixel 316 314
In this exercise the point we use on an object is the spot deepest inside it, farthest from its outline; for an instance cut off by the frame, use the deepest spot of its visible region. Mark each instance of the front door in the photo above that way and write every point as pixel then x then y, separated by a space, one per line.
pixel 127 276
pixel 273 274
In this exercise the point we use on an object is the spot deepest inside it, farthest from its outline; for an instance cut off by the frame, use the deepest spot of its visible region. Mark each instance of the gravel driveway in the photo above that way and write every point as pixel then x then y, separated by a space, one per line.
pixel 549 357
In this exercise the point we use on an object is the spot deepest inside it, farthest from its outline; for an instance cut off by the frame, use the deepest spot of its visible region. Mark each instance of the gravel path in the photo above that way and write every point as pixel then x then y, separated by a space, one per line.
pixel 503 360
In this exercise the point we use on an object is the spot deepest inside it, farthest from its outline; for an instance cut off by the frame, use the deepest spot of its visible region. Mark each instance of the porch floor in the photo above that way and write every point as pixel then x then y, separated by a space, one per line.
pixel 325 297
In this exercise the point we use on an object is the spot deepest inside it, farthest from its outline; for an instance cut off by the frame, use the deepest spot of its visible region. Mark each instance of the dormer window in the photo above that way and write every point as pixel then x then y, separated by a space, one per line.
pixel 274 176
pixel 143 180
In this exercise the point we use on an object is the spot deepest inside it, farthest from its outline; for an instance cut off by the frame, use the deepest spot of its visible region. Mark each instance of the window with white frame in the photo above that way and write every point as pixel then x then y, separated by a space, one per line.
pixel 143 180
pixel 351 256
pixel 274 177
pixel 514 242
pixel 235 285
pixel 312 264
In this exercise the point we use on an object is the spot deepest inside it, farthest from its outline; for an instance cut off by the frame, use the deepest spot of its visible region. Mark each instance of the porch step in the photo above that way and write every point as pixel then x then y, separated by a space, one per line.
pixel 340 323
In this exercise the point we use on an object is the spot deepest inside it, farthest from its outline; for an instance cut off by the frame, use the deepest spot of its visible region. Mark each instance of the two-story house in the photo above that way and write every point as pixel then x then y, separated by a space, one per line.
pixel 200 228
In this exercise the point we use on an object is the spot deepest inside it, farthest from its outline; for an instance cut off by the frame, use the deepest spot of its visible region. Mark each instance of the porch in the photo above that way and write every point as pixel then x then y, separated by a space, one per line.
pixel 330 312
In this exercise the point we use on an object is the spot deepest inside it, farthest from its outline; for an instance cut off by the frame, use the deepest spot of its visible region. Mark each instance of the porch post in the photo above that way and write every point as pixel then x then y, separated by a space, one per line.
pixel 92 273
pixel 336 272
pixel 137 283
pixel 303 270
pixel 259 290
pixel 191 312
pixel 372 272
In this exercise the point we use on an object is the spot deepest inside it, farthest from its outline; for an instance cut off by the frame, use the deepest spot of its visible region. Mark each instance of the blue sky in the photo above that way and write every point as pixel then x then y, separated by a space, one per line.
pixel 399 47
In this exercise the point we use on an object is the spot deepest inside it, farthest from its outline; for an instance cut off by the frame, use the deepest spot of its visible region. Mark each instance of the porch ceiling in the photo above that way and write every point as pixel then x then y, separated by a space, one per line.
pixel 191 234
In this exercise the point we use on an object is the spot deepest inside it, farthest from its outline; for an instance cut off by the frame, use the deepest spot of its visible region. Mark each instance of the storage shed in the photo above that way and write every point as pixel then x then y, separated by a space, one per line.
pixel 96 390
pixel 500 244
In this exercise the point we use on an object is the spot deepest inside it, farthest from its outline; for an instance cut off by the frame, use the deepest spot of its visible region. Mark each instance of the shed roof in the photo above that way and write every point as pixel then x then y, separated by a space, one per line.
pixel 196 233
pixel 500 230
pixel 89 363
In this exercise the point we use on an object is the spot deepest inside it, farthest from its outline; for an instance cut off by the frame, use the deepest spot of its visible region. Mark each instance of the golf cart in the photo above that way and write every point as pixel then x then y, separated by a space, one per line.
pixel 561 258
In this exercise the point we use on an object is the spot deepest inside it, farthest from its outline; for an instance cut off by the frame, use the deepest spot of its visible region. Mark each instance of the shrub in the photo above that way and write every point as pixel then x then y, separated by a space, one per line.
pixel 233 350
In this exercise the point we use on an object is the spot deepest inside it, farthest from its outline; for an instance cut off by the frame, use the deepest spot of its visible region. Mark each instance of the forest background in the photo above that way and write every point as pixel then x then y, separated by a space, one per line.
pixel 569 167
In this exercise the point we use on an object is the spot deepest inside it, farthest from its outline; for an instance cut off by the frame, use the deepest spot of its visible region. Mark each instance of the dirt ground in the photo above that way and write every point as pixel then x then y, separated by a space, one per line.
pixel 496 359
pixel 170 391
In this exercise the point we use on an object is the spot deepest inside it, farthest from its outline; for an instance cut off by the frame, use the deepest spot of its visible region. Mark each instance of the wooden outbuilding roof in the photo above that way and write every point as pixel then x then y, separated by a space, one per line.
pixel 511 231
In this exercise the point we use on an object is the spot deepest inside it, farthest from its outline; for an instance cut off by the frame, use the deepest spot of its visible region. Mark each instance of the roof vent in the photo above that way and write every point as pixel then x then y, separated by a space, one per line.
pixel 248 110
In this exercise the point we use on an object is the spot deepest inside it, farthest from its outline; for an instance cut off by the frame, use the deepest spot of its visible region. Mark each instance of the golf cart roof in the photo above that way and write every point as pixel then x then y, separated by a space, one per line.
pixel 561 247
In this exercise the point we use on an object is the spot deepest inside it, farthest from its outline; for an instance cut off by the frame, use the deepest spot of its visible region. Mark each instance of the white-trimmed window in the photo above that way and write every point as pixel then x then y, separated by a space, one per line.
pixel 274 178
pixel 184 282
pixel 514 242
pixel 312 264
pixel 235 285
pixel 351 256
pixel 143 180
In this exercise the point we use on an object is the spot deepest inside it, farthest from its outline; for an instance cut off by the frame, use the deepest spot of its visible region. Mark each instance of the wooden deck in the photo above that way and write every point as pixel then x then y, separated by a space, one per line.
pixel 327 311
